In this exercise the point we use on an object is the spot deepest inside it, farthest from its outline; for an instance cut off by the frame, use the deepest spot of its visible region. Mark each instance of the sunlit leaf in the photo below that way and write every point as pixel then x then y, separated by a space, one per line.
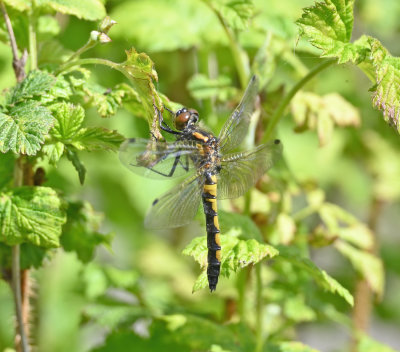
pixel 69 119
pixel 386 92
pixel 368 344
pixel 23 128
pixel 20 5
pixel 320 276
pixel 290 346
pixel 91 10
pixel 235 254
pixel 322 113
pixel 31 214
pixel 36 83
pixel 328 25
pixel 367 264
pixel 81 231
pixel 31 256
pixel 296 310
pixel 240 225
pixel 97 138
pixel 53 151
pixel 236 13
pixel 73 157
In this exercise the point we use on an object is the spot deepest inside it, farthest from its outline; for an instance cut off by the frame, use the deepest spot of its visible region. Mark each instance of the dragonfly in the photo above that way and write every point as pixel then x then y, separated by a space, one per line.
pixel 213 168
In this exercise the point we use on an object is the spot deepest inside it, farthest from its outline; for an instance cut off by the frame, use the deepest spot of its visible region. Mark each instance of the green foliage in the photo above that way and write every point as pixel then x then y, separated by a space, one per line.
pixel 31 214
pixel 81 231
pixel 235 254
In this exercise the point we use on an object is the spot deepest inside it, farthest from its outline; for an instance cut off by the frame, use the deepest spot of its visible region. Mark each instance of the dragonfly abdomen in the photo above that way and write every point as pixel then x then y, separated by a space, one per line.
pixel 213 238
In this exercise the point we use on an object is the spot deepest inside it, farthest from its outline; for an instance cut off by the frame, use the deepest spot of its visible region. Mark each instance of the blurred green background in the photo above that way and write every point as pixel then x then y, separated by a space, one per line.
pixel 73 310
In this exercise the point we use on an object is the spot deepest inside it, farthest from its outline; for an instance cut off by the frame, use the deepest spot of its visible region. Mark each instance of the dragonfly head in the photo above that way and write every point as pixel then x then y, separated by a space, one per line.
pixel 185 118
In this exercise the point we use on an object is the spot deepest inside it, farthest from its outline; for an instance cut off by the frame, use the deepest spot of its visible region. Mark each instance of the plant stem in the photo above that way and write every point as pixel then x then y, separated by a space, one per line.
pixel 18 63
pixel 285 102
pixel 32 41
pixel 237 52
pixel 363 295
pixel 91 61
pixel 259 310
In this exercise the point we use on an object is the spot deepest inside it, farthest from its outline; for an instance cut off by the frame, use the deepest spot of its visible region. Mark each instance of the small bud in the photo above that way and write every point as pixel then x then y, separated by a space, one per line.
pixel 96 36
pixel 106 24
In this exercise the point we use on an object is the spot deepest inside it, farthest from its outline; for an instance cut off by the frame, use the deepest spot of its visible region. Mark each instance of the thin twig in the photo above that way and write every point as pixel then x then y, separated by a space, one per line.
pixel 18 63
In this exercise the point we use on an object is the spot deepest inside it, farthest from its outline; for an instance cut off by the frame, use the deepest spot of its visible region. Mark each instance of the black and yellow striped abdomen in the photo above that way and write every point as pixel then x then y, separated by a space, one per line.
pixel 213 238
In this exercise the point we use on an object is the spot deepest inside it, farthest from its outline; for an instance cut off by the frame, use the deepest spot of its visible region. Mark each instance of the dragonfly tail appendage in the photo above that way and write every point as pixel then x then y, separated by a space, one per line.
pixel 213 237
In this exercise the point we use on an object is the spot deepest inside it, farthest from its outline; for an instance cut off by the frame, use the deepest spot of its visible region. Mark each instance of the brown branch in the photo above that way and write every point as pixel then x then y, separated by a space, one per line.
pixel 18 63
pixel 363 295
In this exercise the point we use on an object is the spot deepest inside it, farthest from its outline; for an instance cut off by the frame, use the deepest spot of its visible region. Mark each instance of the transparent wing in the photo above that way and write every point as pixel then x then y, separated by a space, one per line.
pixel 178 206
pixel 157 159
pixel 240 171
pixel 236 127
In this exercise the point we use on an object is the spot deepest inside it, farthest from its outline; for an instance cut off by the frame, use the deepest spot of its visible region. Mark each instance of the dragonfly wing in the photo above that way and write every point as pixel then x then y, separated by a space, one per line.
pixel 236 127
pixel 178 206
pixel 157 159
pixel 240 171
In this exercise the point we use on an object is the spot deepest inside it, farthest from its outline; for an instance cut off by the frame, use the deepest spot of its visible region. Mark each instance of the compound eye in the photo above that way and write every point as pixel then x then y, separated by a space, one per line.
pixel 182 119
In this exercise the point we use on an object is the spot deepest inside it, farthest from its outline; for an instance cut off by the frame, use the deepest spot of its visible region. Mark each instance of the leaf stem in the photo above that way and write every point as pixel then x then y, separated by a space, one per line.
pixel 90 61
pixel 32 40
pixel 285 102
pixel 238 55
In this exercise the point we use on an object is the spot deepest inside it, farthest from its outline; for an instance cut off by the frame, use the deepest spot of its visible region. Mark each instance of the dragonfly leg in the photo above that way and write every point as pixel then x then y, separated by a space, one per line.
pixel 173 168
pixel 162 124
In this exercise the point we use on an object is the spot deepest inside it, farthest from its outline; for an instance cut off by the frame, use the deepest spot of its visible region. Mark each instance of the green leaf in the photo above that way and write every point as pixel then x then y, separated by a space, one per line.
pixel 290 346
pixel 20 5
pixel 386 92
pixel 31 256
pixel 7 162
pixel 69 119
pixel 194 25
pixel 107 101
pixel 367 264
pixel 47 28
pixel 23 129
pixel 91 10
pixel 239 225
pixel 97 138
pixel 53 151
pixel 51 52
pixel 320 276
pixel 79 167
pixel 81 231
pixel 296 310
pixel 31 214
pixel 368 344
pixel 36 83
pixel 321 113
pixel 236 13
pixel 328 25
pixel 235 254
pixel 140 69
pixel 202 87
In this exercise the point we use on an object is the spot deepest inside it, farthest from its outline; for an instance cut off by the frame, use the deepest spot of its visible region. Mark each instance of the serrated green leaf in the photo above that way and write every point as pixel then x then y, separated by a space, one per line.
pixel 386 92
pixel 69 119
pixel 368 344
pixel 320 276
pixel 202 87
pixel 23 129
pixel 328 25
pixel 107 101
pixel 236 13
pixel 7 162
pixel 358 234
pixel 235 254
pixel 31 214
pixel 36 83
pixel 79 167
pixel 367 264
pixel 53 151
pixel 80 233
pixel 90 10
pixel 140 69
pixel 97 138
